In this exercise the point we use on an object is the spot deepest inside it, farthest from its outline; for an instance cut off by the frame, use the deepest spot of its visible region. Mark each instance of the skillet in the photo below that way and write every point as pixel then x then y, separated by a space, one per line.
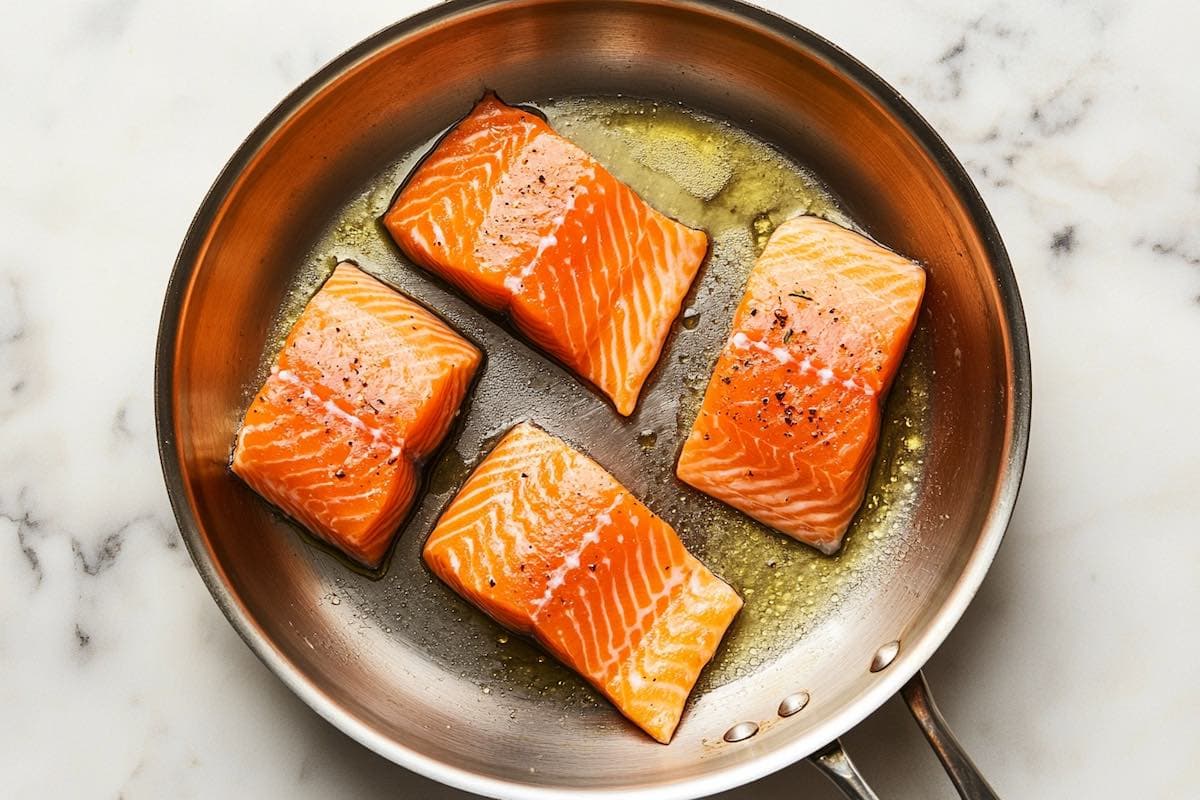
pixel 397 662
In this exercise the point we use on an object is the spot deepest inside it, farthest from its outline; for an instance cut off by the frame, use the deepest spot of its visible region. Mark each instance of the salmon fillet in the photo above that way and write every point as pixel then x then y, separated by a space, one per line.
pixel 365 389
pixel 528 224
pixel 550 545
pixel 790 420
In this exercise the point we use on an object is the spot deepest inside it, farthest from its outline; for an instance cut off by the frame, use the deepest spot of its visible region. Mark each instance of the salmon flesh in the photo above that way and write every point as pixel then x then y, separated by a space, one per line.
pixel 550 545
pixel 788 427
pixel 364 390
pixel 528 224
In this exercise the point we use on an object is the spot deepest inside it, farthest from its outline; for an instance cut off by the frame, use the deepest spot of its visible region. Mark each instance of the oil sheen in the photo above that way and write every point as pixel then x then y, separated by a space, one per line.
pixel 707 174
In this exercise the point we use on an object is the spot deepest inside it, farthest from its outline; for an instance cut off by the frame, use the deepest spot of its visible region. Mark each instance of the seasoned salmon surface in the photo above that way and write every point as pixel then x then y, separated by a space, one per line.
pixel 789 423
pixel 525 222
pixel 550 545
pixel 365 388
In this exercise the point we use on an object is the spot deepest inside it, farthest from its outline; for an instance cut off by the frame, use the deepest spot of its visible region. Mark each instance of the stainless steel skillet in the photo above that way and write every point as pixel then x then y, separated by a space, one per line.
pixel 397 662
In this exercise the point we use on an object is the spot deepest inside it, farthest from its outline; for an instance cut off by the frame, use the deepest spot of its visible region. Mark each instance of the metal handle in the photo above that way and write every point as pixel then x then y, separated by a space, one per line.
pixel 837 766
pixel 965 775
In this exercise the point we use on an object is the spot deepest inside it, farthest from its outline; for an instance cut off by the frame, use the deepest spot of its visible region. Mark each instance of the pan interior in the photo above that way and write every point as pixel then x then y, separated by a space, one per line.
pixel 710 175
pixel 400 661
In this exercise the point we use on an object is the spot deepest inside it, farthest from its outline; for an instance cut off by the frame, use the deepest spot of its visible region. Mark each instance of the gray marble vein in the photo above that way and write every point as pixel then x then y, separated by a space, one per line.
pixel 15 345
pixel 25 529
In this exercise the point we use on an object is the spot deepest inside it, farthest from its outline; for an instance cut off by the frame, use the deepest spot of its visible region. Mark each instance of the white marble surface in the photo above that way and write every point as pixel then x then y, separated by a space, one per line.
pixel 1074 674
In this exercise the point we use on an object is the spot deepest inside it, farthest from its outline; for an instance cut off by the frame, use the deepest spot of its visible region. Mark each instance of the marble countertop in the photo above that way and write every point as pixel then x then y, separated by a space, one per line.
pixel 1073 674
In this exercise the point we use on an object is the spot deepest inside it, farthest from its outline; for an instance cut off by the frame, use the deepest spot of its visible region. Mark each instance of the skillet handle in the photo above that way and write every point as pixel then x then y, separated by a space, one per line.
pixel 965 775
pixel 837 766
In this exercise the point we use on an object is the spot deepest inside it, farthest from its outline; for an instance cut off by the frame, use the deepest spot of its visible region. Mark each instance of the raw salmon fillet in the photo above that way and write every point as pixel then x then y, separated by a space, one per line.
pixel 552 546
pixel 526 223
pixel 365 388
pixel 789 423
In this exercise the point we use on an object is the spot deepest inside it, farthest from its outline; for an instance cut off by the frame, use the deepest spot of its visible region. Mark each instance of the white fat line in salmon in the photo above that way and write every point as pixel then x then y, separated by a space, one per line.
pixel 514 282
pixel 376 433
pixel 743 342
pixel 571 562
pixel 652 615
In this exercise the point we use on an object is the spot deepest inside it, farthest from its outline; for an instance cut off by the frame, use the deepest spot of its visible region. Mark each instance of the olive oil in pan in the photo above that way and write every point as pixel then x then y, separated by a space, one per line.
pixel 710 175
pixel 699 170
